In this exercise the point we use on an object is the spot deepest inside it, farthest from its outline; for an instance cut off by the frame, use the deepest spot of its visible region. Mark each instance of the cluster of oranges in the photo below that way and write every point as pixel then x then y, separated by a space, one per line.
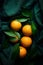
pixel 26 40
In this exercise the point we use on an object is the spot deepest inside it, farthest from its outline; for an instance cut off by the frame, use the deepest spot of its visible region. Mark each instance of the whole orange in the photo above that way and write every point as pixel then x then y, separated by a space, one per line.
pixel 26 41
pixel 16 25
pixel 23 52
pixel 27 30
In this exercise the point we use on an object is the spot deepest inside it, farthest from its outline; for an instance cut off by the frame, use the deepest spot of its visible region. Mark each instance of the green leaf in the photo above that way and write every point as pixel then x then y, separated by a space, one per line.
pixel 13 39
pixel 11 7
pixel 15 51
pixel 34 28
pixel 22 19
pixel 17 34
pixel 27 13
pixel 12 33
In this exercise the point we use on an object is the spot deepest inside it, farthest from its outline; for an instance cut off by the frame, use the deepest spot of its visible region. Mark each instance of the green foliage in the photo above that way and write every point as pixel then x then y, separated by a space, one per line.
pixel 13 39
pixel 33 52
pixel 4 25
pixel 9 55
pixel 27 13
pixel 12 33
pixel 18 35
pixel 23 19
pixel 34 27
pixel 15 52
pixel 12 7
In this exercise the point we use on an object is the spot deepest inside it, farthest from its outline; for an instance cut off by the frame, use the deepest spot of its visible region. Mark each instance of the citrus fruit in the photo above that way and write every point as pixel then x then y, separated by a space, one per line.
pixel 16 25
pixel 27 30
pixel 26 41
pixel 23 52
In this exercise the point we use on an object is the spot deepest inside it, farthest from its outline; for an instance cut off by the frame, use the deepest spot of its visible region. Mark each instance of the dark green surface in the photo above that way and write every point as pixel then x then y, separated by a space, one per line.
pixel 9 10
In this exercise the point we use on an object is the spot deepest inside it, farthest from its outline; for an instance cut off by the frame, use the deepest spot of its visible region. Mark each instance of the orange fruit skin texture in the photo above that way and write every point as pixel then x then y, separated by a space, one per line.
pixel 26 41
pixel 27 30
pixel 23 52
pixel 16 25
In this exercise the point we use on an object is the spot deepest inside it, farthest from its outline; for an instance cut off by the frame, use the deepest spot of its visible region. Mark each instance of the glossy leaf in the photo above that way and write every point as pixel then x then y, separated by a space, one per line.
pixel 23 19
pixel 18 34
pixel 34 28
pixel 12 39
pixel 12 33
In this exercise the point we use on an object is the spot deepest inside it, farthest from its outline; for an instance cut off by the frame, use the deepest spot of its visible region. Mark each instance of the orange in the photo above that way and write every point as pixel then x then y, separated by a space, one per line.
pixel 26 41
pixel 27 30
pixel 16 25
pixel 23 52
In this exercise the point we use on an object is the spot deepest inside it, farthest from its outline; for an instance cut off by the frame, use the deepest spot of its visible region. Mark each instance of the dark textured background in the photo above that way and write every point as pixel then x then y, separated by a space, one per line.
pixel 8 10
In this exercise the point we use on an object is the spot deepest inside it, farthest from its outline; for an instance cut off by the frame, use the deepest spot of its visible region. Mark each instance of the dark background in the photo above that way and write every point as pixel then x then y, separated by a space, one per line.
pixel 10 9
